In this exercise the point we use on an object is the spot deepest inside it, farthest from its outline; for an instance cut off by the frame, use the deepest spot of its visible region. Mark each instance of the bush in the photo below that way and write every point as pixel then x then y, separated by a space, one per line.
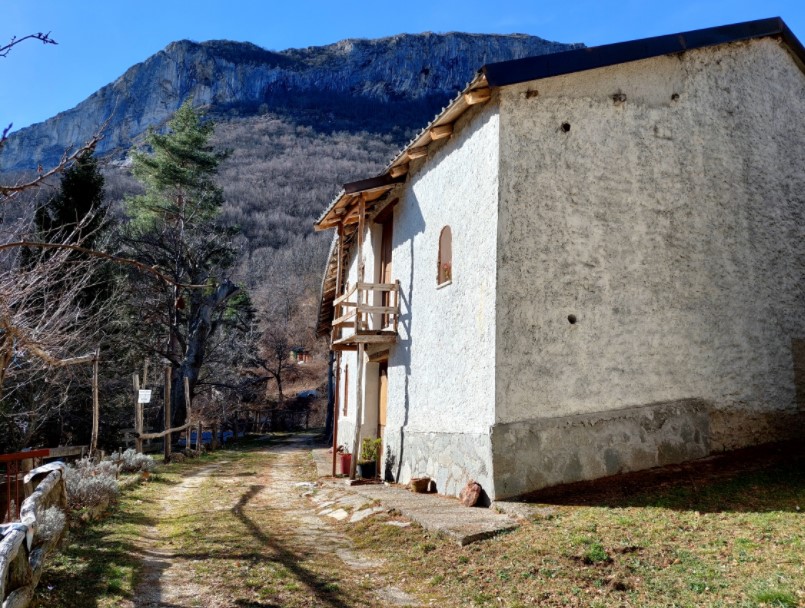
pixel 51 524
pixel 132 461
pixel 90 485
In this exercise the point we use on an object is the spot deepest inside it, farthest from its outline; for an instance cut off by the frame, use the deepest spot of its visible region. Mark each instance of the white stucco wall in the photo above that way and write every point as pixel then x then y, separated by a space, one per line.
pixel 671 225
pixel 442 369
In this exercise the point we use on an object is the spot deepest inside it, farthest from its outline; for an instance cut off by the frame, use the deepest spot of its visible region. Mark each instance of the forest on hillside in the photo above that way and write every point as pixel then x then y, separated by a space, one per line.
pixel 255 251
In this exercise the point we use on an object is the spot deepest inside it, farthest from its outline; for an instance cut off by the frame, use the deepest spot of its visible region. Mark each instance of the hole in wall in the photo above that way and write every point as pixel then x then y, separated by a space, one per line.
pixel 565 127
pixel 572 319
pixel 675 97
pixel 531 93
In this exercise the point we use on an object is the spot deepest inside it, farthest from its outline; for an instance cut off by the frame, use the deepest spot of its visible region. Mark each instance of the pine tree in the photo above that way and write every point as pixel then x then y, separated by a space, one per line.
pixel 175 226
pixel 79 200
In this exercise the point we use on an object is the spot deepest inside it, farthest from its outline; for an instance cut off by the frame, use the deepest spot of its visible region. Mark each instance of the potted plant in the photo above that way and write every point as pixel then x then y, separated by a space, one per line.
pixel 344 460
pixel 367 463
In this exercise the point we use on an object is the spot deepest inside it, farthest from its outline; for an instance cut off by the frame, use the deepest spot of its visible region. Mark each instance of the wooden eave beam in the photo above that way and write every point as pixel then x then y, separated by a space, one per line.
pixel 441 131
pixel 414 153
pixel 477 96
pixel 398 170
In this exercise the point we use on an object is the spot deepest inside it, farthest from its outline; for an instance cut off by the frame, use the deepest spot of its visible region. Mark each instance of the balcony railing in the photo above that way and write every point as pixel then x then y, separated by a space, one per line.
pixel 366 313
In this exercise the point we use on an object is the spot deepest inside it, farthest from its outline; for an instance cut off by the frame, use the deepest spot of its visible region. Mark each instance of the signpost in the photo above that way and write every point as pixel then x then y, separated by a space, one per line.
pixel 144 396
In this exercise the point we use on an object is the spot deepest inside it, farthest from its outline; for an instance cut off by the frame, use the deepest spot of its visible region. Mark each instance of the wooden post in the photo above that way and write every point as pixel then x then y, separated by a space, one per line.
pixel 138 414
pixel 339 280
pixel 358 326
pixel 167 409
pixel 356 444
pixel 214 442
pixel 189 415
pixel 96 407
pixel 336 406
pixel 198 437
pixel 145 373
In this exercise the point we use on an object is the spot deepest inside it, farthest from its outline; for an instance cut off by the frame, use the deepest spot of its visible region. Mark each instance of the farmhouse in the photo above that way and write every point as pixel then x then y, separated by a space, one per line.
pixel 589 263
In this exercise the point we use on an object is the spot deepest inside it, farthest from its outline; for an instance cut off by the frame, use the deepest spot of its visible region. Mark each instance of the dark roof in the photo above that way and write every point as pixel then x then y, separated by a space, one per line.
pixel 554 64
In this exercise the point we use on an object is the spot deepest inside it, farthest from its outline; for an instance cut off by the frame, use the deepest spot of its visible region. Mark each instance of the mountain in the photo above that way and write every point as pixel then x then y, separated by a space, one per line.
pixel 381 85
pixel 299 123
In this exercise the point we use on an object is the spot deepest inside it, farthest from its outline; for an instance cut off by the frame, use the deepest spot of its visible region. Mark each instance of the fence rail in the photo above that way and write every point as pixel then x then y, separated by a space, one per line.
pixel 22 549
pixel 15 466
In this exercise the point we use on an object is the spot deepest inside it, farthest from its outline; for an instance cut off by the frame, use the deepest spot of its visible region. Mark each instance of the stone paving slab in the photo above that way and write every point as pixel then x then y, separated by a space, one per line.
pixel 433 512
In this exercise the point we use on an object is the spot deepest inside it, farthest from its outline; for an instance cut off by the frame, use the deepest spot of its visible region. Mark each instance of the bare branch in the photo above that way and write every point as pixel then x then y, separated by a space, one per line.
pixel 43 38
pixel 102 255
pixel 8 192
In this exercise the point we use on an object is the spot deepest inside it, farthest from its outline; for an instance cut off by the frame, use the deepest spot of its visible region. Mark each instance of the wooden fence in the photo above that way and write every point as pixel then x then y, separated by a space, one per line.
pixel 13 468
pixel 22 549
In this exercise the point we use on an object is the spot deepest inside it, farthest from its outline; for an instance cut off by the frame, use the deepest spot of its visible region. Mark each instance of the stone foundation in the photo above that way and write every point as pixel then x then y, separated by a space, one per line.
pixel 450 459
pixel 534 454
pixel 733 429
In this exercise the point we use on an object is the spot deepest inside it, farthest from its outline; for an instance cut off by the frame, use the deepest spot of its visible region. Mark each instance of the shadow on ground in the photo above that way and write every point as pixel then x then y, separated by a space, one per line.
pixel 760 479
pixel 92 564
pixel 320 588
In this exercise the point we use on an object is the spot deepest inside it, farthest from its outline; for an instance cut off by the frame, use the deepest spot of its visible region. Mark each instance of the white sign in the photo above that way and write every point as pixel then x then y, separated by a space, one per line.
pixel 144 397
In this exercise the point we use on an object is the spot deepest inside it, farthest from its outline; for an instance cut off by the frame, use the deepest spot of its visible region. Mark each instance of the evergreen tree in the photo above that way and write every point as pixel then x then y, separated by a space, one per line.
pixel 175 226
pixel 80 199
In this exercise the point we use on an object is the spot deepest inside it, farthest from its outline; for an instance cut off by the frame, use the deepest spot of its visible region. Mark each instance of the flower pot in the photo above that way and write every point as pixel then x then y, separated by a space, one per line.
pixel 367 470
pixel 344 463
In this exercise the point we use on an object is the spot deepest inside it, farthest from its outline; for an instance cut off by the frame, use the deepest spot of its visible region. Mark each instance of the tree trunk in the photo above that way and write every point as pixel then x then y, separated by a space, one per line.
pixel 202 327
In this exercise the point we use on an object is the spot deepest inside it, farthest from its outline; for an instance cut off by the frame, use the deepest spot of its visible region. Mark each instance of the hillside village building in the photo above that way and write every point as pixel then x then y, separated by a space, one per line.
pixel 589 263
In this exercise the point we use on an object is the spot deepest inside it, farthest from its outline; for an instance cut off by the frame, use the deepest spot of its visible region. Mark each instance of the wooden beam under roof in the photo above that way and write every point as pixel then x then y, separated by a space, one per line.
pixel 414 153
pixel 441 131
pixel 477 96
pixel 398 170
pixel 364 185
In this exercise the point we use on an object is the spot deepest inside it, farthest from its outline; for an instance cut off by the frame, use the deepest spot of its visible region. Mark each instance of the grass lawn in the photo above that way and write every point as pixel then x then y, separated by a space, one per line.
pixel 735 542
pixel 738 542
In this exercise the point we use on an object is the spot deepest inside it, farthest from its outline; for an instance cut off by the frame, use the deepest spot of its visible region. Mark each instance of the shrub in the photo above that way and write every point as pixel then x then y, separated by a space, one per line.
pixel 90 485
pixel 51 524
pixel 132 461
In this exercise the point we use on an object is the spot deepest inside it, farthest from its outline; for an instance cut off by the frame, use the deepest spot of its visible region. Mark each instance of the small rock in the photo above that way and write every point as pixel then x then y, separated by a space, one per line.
pixel 398 524
pixel 470 494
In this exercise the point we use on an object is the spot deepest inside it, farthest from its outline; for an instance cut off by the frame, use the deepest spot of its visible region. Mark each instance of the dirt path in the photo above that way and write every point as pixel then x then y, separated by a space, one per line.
pixel 242 533
pixel 163 577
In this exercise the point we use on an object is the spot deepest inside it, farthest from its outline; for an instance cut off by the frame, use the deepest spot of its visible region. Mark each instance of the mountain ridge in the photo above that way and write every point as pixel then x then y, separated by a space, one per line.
pixel 390 84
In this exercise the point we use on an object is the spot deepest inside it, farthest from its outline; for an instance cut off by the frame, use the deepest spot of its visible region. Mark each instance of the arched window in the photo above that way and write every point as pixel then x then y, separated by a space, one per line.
pixel 445 270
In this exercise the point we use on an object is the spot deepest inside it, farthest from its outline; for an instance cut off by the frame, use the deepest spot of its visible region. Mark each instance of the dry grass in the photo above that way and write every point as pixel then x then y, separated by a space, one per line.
pixel 734 543
pixel 737 542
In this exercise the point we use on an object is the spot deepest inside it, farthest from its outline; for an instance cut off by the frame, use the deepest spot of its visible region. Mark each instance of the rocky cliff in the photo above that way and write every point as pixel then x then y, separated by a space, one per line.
pixel 387 85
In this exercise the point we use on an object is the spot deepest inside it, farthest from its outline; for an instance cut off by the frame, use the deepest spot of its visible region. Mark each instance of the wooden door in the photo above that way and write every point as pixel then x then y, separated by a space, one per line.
pixel 382 405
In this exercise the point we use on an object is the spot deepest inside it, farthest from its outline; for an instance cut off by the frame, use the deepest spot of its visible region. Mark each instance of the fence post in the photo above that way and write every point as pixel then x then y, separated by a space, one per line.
pixel 138 414
pixel 96 407
pixel 188 413
pixel 167 409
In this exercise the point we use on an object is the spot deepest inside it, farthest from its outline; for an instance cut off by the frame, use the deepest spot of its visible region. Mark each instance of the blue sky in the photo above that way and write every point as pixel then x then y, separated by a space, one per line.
pixel 100 39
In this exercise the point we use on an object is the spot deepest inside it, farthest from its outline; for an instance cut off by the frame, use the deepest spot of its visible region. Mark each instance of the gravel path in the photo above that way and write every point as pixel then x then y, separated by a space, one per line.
pixel 304 537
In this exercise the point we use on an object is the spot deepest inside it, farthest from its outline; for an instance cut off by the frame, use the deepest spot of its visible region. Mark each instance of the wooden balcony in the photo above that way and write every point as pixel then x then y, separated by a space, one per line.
pixel 367 313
